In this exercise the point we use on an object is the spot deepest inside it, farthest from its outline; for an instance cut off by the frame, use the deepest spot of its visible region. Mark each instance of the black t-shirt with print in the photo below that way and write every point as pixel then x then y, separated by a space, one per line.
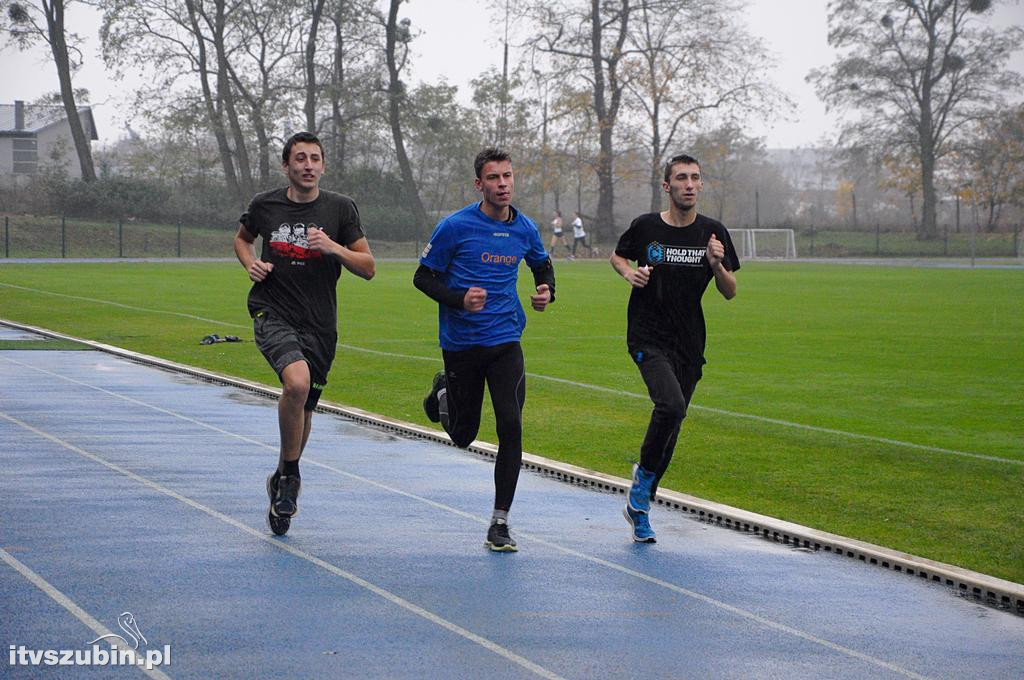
pixel 302 286
pixel 666 314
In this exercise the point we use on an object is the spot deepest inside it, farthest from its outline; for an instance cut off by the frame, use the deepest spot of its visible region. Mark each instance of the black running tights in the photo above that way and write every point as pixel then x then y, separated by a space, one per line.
pixel 670 383
pixel 502 368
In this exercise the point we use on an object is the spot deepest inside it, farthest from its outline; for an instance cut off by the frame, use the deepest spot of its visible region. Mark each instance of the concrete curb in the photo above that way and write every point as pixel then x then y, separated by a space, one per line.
pixel 988 589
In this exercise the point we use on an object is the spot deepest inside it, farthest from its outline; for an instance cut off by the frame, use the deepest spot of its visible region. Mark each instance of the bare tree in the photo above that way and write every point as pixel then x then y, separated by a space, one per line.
pixel 316 9
pixel 349 87
pixel 398 35
pixel 265 36
pixel 994 153
pixel 220 24
pixel 728 159
pixel 693 57
pixel 168 37
pixel 920 70
pixel 586 42
pixel 44 19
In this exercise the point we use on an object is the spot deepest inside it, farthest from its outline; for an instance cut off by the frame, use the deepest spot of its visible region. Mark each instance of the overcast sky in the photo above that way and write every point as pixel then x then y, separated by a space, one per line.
pixel 457 40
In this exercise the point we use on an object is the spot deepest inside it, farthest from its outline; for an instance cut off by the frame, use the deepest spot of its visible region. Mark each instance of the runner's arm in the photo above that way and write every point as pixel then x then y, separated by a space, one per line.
pixel 355 257
pixel 429 281
pixel 257 269
pixel 637 278
pixel 358 259
pixel 544 273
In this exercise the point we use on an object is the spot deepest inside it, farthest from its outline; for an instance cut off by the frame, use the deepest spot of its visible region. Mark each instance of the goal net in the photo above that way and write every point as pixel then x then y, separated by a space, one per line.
pixel 764 243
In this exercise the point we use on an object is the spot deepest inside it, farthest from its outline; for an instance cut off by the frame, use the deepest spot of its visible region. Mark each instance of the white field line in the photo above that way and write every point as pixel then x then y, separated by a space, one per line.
pixel 737 611
pixel 312 559
pixel 581 385
pixel 79 613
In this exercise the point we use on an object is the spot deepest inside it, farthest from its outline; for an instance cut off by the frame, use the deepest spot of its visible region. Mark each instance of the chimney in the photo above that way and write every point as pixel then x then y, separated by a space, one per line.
pixel 19 114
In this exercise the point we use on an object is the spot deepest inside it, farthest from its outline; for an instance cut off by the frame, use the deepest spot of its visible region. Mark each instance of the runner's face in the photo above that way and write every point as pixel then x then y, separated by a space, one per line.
pixel 496 184
pixel 305 166
pixel 684 185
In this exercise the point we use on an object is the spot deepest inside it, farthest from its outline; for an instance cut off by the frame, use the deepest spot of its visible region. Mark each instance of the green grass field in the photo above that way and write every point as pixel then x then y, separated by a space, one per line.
pixel 880 403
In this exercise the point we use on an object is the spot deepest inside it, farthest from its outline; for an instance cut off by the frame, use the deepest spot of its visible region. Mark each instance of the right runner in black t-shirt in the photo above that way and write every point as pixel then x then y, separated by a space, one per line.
pixel 678 253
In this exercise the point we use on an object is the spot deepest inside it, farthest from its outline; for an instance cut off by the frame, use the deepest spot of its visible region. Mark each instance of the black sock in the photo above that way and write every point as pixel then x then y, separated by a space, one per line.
pixel 290 468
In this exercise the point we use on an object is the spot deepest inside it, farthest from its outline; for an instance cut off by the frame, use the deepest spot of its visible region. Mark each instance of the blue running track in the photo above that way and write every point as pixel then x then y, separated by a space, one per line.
pixel 130 489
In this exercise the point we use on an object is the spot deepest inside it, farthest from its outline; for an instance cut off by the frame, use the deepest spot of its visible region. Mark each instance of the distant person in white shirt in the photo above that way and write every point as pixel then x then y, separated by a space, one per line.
pixel 579 235
pixel 556 232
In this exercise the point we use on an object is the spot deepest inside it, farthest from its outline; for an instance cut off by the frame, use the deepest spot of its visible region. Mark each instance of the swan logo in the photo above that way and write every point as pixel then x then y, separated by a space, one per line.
pixel 127 623
pixel 123 651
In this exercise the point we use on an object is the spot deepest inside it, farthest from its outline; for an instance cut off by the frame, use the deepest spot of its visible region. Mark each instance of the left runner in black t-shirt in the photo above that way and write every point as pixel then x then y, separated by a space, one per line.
pixel 678 253
pixel 308 234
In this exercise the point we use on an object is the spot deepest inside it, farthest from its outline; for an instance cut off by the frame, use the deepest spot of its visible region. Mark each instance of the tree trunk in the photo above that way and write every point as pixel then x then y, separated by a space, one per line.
pixel 54 11
pixel 606 108
pixel 216 122
pixel 310 107
pixel 656 176
pixel 928 197
pixel 262 146
pixel 338 87
pixel 227 98
pixel 605 186
pixel 395 95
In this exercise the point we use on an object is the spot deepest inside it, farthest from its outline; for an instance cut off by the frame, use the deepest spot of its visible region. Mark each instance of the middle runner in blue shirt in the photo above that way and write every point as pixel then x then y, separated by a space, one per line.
pixel 471 267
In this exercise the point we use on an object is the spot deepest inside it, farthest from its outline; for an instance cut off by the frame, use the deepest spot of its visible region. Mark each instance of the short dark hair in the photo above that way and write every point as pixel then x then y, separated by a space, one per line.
pixel 487 155
pixel 676 160
pixel 308 137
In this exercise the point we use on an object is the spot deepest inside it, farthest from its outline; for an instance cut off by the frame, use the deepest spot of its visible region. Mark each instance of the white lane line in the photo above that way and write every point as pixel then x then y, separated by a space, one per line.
pixel 724 412
pixel 706 599
pixel 79 613
pixel 312 559
pixel 588 386
pixel 482 520
pixel 786 423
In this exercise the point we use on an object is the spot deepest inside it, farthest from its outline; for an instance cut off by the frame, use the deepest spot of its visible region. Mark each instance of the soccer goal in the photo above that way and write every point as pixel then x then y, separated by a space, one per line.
pixel 764 243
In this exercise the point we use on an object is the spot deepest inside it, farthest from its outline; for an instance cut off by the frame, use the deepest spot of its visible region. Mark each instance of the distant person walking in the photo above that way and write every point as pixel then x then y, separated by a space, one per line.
pixel 678 253
pixel 579 234
pixel 471 267
pixel 308 235
pixel 557 233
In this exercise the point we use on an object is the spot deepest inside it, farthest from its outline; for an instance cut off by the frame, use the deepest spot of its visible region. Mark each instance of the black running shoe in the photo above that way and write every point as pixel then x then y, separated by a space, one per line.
pixel 498 539
pixel 430 405
pixel 279 525
pixel 284 494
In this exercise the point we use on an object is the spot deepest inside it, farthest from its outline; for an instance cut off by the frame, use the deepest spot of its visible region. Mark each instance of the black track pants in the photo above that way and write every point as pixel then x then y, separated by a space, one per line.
pixel 502 367
pixel 670 383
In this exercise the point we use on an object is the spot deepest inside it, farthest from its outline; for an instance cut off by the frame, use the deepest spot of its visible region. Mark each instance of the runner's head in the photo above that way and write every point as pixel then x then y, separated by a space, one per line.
pixel 494 179
pixel 303 162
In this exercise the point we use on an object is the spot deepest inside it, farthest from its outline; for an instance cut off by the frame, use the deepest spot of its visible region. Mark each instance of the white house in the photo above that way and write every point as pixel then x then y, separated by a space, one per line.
pixel 32 136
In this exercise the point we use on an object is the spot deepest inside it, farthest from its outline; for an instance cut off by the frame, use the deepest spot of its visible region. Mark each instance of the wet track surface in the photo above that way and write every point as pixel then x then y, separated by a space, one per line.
pixel 132 489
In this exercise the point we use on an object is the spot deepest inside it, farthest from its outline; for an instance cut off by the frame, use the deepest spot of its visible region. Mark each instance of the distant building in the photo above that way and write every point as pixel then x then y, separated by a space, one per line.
pixel 32 136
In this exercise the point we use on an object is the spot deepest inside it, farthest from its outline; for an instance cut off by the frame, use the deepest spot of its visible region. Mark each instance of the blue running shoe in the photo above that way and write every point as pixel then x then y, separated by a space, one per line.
pixel 640 492
pixel 641 523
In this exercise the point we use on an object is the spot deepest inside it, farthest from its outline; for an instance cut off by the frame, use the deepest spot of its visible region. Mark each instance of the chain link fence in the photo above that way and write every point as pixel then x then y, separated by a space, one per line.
pixel 59 237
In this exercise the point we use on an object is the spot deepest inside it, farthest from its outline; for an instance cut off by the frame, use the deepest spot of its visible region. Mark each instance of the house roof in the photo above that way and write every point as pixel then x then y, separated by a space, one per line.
pixel 38 118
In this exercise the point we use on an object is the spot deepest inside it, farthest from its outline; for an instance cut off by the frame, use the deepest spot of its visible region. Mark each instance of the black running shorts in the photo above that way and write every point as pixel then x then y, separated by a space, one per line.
pixel 282 345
